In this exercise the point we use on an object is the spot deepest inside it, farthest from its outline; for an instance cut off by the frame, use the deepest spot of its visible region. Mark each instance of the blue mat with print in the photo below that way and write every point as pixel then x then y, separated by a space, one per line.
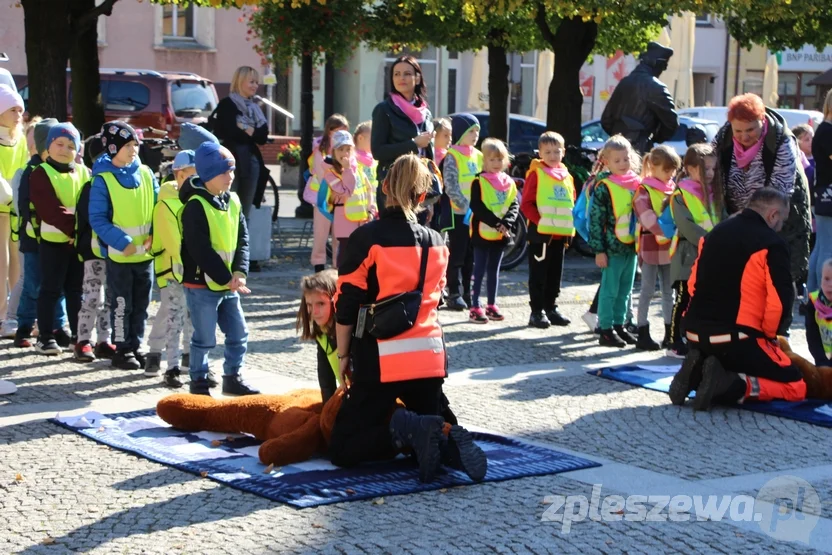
pixel 812 411
pixel 232 459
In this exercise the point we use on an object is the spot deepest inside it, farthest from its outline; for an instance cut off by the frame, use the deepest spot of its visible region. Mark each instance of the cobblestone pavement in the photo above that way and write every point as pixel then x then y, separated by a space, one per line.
pixel 77 496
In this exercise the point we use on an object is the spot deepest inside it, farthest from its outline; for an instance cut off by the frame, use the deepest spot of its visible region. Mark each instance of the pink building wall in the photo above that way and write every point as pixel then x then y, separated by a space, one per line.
pixel 129 43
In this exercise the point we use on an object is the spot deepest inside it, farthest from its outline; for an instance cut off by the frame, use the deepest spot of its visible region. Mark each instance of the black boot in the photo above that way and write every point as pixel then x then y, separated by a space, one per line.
pixel 556 318
pixel 644 341
pixel 423 434
pixel 461 453
pixel 666 341
pixel 717 383
pixel 687 378
pixel 456 303
pixel 172 378
pixel 609 339
pixel 234 385
pixel 628 337
pixel 539 320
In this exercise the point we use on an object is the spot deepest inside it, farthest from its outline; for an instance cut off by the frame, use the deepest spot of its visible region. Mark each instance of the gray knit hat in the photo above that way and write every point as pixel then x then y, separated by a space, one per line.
pixel 42 132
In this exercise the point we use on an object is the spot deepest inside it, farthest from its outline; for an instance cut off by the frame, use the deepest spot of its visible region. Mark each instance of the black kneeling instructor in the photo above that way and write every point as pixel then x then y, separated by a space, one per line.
pixel 381 362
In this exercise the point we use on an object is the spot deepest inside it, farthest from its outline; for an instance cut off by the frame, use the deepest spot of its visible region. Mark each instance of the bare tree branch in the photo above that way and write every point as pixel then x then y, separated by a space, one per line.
pixel 84 21
pixel 543 25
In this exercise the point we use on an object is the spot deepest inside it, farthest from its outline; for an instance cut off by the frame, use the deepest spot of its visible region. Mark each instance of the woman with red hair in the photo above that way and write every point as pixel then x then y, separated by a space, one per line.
pixel 756 149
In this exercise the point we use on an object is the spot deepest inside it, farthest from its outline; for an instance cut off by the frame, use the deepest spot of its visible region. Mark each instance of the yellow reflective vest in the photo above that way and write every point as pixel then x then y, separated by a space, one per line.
pixel 223 226
pixel 331 355
pixel 12 158
pixel 698 211
pixel 555 201
pixel 468 167
pixel 622 209
pixel 67 188
pixel 132 214
pixel 167 237
pixel 498 206
pixel 657 200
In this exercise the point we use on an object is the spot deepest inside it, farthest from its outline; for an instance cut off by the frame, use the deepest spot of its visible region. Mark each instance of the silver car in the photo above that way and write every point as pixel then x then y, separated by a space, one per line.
pixel 594 136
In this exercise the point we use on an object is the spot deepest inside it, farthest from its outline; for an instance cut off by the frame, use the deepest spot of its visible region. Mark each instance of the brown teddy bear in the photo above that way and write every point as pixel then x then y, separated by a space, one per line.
pixel 818 378
pixel 293 427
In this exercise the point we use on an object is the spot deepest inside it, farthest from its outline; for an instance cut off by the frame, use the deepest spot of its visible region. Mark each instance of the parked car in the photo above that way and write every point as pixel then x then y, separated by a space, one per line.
pixel 149 98
pixel 719 114
pixel 523 131
pixel 593 135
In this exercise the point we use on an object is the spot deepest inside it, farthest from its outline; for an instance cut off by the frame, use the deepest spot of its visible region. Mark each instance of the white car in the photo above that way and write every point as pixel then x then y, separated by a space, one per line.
pixel 719 114
pixel 593 135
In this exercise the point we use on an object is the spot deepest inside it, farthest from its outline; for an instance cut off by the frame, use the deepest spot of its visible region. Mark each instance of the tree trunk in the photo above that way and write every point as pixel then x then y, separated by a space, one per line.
pixel 306 129
pixel 572 44
pixel 47 27
pixel 282 124
pixel 329 88
pixel 498 93
pixel 87 110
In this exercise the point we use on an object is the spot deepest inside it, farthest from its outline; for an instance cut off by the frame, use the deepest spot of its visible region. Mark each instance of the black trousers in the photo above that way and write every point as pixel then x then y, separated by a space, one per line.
pixel 62 273
pixel 545 275
pixel 757 357
pixel 680 304
pixel 131 286
pixel 342 249
pixel 362 428
pixel 461 261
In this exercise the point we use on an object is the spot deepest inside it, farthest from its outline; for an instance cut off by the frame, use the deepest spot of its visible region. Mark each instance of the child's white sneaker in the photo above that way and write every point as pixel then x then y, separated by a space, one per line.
pixel 8 329
pixel 591 321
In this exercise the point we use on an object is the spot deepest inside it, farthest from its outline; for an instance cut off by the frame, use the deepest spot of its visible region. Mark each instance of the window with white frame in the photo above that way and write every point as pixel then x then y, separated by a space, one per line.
pixel 428 60
pixel 703 18
pixel 178 22
pixel 524 83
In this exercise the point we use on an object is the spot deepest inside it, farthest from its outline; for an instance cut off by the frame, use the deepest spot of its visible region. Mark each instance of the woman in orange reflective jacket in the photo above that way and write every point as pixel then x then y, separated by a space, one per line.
pixel 383 259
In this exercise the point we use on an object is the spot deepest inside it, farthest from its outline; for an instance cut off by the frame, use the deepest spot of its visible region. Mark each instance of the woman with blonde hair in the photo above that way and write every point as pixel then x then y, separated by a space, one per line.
pixel 389 341
pixel 240 126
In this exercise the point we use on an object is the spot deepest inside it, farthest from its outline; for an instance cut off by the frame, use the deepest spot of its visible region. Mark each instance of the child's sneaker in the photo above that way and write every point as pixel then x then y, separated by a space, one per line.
pixel 49 347
pixel 152 364
pixel 172 378
pixel 493 313
pixel 8 329
pixel 83 352
pixel 104 350
pixel 477 316
pixel 63 339
pixel 23 338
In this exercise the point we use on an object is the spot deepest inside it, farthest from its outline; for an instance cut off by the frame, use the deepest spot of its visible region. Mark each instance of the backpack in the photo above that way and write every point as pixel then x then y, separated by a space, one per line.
pixel 580 212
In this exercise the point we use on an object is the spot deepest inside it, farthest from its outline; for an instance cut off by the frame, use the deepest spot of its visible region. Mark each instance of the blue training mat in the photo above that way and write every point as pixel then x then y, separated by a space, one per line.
pixel 816 412
pixel 232 459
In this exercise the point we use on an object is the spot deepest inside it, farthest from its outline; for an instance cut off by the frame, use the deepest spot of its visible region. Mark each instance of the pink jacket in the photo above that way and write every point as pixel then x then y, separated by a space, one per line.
pixel 317 171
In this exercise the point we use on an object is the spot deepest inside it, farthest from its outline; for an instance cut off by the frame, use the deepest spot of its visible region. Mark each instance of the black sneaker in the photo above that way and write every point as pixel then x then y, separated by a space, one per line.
pixel 212 379
pixel 456 304
pixel 624 334
pixel 172 378
pixel 557 319
pixel 687 378
pixel 200 387
pixel 62 338
pixel 631 327
pixel 152 364
pixel 234 385
pixel 186 360
pixel 48 347
pixel 609 339
pixel 23 338
pixel 461 453
pixel 539 320
pixel 125 360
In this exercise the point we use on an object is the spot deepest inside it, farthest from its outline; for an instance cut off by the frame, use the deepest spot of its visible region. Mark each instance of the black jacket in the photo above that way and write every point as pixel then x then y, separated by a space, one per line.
pixel 641 109
pixel 813 337
pixel 198 256
pixel 83 234
pixel 481 213
pixel 392 135
pixel 27 244
pixel 238 141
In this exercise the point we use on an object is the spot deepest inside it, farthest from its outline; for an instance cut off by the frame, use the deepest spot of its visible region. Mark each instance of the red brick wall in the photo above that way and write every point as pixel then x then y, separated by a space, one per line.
pixel 270 150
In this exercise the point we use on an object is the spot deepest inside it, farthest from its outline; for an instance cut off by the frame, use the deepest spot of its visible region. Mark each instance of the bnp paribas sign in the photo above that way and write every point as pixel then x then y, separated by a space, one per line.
pixel 807 58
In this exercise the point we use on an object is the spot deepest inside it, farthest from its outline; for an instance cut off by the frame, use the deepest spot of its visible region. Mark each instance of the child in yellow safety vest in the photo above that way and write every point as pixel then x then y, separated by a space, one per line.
pixel 321 224
pixel 172 325
pixel 352 199
pixel 364 156
pixel 494 210
pixel 612 238
pixel 461 165
pixel 316 321
pixel 122 198
pixel 696 206
pixel 819 319
pixel 548 200
pixel 652 247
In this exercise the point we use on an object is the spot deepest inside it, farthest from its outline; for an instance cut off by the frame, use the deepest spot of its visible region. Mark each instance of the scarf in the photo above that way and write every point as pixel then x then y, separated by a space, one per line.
pixel 629 180
pixel 822 307
pixel 465 150
pixel 6 137
pixel 417 114
pixel 500 181
pixel 558 174
pixel 252 115
pixel 745 156
pixel 693 187
pixel 439 155
pixel 364 158
pixel 660 186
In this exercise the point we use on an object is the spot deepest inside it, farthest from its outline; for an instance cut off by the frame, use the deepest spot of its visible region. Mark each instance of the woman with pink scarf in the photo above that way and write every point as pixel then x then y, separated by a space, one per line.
pixel 401 122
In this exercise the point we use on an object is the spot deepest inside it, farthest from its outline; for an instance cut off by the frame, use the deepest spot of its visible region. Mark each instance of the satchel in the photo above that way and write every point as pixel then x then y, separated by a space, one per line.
pixel 394 315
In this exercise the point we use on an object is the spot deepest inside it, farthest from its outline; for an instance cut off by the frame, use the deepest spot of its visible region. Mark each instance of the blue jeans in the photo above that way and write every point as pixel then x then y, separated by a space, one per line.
pixel 821 253
pixel 209 308
pixel 28 307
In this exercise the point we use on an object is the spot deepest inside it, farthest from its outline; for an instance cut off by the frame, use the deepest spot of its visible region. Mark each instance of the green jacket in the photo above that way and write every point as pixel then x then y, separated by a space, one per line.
pixel 602 237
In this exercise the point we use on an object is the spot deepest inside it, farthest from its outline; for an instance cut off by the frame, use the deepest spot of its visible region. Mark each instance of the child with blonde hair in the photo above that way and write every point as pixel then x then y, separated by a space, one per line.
pixel 612 238
pixel 494 210
pixel 652 247
pixel 364 155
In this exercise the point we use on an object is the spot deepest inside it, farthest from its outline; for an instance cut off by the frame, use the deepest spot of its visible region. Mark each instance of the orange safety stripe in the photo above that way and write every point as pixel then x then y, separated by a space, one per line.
pixel 692 278
pixel 768 390
pixel 752 312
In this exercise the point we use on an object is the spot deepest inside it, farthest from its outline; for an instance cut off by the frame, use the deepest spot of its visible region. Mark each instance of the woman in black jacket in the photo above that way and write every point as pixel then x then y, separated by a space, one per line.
pixel 402 121
pixel 240 126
